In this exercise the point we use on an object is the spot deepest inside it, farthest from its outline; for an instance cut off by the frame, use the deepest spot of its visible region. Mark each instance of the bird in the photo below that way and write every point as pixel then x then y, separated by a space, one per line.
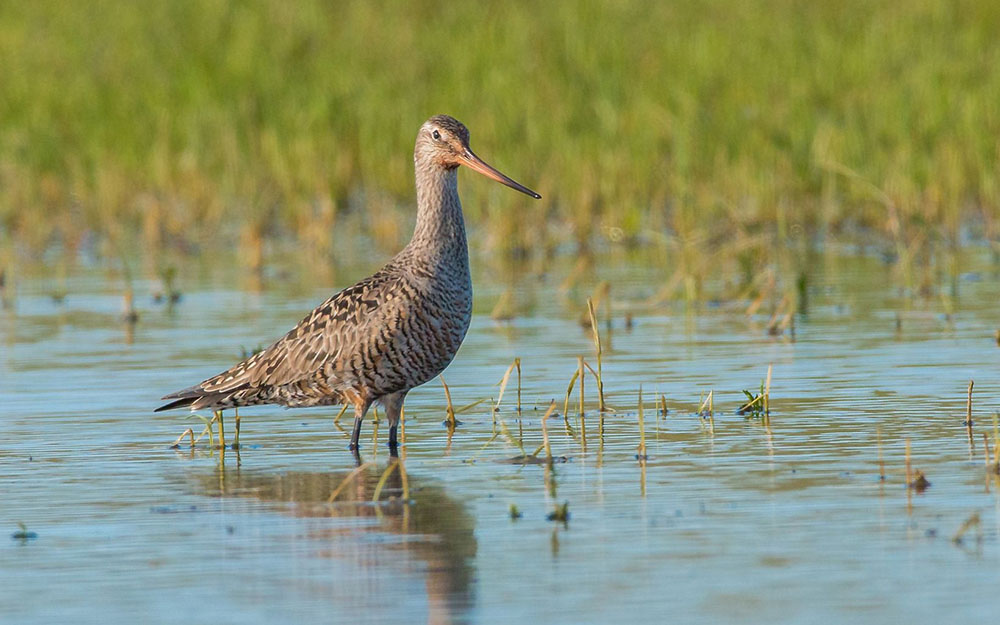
pixel 376 340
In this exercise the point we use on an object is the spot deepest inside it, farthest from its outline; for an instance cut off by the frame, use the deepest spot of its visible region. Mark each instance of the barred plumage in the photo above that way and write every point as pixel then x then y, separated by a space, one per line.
pixel 392 331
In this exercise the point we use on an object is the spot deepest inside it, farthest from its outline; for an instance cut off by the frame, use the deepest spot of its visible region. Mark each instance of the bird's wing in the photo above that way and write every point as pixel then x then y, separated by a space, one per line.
pixel 332 331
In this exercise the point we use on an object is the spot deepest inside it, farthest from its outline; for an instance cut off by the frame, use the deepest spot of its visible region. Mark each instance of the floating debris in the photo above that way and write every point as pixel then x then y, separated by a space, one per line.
pixel 515 512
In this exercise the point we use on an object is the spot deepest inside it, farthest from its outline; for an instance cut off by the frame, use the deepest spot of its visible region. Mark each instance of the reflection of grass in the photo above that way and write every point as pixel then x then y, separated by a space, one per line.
pixel 691 121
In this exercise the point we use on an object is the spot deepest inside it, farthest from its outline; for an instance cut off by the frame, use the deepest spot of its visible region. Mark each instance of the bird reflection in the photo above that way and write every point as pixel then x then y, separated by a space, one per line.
pixel 428 525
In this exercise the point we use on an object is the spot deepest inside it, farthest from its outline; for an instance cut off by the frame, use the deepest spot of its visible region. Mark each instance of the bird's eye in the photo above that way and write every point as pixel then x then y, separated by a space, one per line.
pixel 436 135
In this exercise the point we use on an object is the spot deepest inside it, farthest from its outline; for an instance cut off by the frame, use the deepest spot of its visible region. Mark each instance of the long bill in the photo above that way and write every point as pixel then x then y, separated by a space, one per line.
pixel 475 163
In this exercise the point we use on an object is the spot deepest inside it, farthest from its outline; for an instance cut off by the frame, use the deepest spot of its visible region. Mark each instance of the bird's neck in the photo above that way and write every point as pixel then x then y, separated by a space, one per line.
pixel 440 229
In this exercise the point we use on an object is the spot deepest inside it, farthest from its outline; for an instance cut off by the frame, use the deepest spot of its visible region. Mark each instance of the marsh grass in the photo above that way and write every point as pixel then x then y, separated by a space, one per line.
pixel 450 419
pixel 514 366
pixel 569 393
pixel 177 443
pixel 23 534
pixel 968 418
pixel 758 406
pixel 641 449
pixel 208 423
pixel 878 453
pixel 599 352
pixel 706 411
pixel 340 414
pixel 560 513
pixel 177 125
pixel 973 521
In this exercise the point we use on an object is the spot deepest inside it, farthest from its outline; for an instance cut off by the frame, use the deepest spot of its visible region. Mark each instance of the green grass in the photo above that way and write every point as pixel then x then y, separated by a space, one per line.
pixel 185 124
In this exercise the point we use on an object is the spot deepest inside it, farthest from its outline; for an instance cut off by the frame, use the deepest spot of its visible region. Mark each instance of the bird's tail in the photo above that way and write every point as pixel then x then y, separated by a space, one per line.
pixel 177 403
pixel 197 398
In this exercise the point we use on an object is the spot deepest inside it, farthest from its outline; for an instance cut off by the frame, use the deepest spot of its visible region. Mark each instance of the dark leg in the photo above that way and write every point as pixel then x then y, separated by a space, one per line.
pixel 359 416
pixel 393 411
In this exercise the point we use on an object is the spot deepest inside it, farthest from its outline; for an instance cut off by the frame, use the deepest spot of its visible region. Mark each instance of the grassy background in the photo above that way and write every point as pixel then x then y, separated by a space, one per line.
pixel 181 124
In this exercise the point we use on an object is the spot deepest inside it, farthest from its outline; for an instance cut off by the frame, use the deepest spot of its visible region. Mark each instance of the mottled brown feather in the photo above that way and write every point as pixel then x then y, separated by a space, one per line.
pixel 386 334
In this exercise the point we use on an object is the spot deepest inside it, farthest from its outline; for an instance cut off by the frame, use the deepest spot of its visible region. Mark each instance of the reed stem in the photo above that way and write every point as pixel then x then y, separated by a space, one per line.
pixel 222 430
pixel 641 455
pixel 968 416
pixel 450 409
pixel 597 346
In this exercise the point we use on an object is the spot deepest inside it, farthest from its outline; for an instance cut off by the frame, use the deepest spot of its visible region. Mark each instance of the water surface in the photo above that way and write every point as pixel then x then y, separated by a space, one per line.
pixel 747 524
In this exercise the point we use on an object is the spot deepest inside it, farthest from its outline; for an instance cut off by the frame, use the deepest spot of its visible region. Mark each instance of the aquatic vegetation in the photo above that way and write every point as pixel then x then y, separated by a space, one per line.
pixel 601 406
pixel 168 292
pixel 559 514
pixel 915 478
pixel 187 432
pixel 129 315
pixel 706 411
pixel 754 406
pixel 248 352
pixel 641 450
pixel 968 415
pixel 24 534
pixel 851 392
pixel 972 522
pixel 758 405
pixel 450 419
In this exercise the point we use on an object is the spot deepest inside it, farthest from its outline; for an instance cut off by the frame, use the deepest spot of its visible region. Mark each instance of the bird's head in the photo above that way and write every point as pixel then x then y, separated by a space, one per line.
pixel 443 142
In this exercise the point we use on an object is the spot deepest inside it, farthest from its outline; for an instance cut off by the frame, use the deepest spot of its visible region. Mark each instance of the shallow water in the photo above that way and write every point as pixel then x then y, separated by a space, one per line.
pixel 746 524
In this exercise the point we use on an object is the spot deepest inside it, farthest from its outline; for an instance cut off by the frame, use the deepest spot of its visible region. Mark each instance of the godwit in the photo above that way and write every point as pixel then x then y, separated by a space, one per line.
pixel 393 331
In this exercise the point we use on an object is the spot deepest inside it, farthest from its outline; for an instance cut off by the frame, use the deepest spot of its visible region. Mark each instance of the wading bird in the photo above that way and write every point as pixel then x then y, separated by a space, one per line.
pixel 393 331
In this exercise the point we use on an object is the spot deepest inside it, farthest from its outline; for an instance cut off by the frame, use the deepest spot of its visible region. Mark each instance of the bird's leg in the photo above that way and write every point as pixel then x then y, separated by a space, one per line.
pixel 393 410
pixel 236 413
pixel 359 416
